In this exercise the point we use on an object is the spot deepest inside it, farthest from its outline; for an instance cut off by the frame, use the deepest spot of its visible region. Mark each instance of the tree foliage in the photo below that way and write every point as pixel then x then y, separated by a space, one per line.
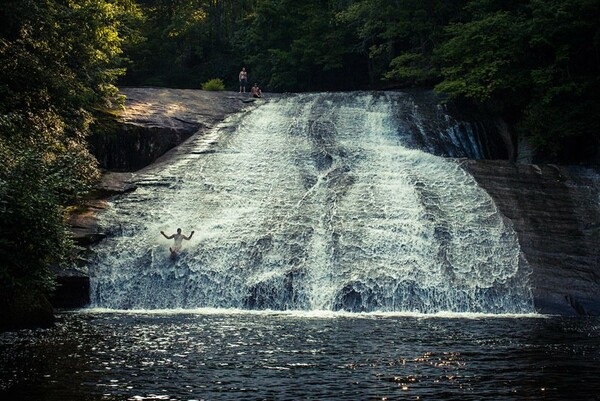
pixel 215 84
pixel 399 36
pixel 186 41
pixel 285 45
pixel 58 63
pixel 538 62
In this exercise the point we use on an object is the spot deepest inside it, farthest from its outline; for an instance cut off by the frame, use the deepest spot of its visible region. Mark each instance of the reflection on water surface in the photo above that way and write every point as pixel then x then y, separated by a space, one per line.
pixel 234 355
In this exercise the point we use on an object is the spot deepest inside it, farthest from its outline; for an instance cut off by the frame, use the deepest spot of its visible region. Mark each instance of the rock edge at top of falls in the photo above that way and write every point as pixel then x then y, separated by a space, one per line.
pixel 179 109
pixel 155 120
pixel 555 210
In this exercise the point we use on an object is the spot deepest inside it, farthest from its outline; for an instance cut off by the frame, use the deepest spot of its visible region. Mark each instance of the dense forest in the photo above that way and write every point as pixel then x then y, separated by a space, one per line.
pixel 535 63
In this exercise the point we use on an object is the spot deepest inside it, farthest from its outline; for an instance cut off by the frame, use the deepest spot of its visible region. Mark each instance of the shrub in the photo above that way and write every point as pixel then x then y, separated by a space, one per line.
pixel 215 84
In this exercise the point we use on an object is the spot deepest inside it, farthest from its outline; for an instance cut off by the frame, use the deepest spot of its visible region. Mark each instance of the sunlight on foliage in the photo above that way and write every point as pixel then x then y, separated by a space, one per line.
pixel 215 84
pixel 58 64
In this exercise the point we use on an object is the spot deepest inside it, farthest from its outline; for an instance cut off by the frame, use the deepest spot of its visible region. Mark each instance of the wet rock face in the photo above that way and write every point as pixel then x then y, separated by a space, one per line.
pixel 555 212
pixel 158 119
pixel 84 221
pixel 453 129
pixel 134 147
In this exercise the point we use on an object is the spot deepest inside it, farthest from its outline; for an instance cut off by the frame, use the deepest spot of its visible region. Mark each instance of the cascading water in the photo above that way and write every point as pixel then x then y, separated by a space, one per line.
pixel 315 202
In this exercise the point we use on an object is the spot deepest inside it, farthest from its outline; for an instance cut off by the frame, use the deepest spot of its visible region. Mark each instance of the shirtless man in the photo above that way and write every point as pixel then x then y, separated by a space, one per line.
pixel 255 91
pixel 178 237
pixel 243 77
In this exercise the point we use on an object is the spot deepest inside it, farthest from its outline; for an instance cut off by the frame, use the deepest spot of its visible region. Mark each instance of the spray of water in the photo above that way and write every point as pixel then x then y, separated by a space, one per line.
pixel 314 202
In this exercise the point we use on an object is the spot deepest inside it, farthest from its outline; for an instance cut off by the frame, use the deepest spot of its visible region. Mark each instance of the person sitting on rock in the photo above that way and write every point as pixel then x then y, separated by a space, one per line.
pixel 255 91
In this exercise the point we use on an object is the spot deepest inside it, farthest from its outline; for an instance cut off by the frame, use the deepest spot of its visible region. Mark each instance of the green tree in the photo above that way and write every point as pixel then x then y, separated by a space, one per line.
pixel 536 62
pixel 301 46
pixel 186 42
pixel 58 63
pixel 398 37
pixel 479 59
pixel 562 115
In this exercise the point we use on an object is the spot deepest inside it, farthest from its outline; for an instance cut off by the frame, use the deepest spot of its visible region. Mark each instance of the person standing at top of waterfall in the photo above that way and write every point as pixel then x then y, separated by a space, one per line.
pixel 178 237
pixel 243 79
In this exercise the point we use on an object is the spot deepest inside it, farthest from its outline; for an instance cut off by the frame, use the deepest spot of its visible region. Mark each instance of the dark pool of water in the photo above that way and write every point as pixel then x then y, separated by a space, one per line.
pixel 256 356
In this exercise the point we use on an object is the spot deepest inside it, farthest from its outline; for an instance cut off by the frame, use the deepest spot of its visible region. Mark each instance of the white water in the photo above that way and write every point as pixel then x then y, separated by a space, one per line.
pixel 313 202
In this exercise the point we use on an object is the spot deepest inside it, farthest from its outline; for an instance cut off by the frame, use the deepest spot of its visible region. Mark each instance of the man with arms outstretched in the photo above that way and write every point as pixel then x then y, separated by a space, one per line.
pixel 178 237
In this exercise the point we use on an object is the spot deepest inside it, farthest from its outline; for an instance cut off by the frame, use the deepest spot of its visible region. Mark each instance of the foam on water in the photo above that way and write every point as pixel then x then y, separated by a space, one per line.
pixel 309 314
pixel 314 203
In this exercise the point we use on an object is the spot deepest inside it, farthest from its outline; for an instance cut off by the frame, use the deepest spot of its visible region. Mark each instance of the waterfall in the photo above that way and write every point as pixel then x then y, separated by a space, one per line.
pixel 315 202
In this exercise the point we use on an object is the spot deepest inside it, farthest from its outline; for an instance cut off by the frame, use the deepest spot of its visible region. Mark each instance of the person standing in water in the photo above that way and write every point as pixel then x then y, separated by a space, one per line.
pixel 178 237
